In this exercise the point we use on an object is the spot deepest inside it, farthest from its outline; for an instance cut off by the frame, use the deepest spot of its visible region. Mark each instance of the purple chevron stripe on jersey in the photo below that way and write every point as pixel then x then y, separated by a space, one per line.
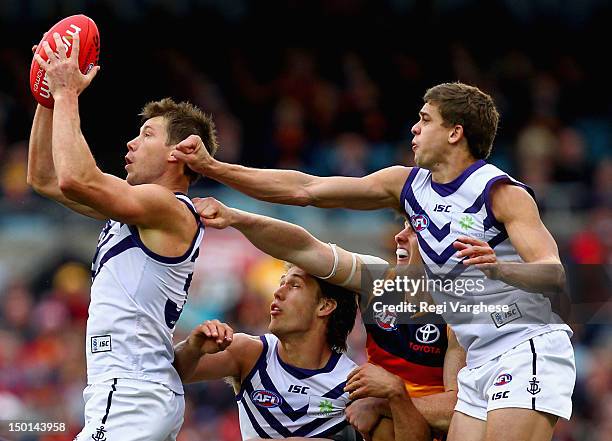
pixel 451 187
pixel 266 414
pixel 261 362
pixel 292 414
pixel 98 248
pixel 440 259
pixel 408 183
pixel 306 429
pixel 336 392
pixel 333 430
pixel 455 272
pixel 302 374
pixel 477 205
pixel 253 419
pixel 438 233
pixel 490 220
pixel 115 250
pixel 499 238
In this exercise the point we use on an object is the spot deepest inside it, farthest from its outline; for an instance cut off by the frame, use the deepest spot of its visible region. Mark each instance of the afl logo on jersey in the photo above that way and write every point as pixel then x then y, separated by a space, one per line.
pixel 503 379
pixel 265 398
pixel 428 334
pixel 419 222
pixel 386 320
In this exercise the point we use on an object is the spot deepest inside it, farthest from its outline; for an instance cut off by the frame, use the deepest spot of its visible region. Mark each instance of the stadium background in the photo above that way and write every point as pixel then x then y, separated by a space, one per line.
pixel 327 87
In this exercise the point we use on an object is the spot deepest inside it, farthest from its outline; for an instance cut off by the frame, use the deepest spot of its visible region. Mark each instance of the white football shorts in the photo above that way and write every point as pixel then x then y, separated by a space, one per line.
pixel 131 410
pixel 538 374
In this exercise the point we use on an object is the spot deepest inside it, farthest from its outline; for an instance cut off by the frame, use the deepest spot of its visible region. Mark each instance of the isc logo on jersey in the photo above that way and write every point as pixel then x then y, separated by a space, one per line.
pixel 265 398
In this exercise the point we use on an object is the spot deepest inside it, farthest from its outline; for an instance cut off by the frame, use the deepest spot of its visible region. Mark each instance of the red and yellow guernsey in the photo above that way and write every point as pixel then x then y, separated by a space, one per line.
pixel 415 352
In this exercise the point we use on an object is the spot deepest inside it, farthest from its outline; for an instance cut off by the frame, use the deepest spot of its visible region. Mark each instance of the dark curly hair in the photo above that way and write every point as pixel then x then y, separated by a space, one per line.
pixel 342 319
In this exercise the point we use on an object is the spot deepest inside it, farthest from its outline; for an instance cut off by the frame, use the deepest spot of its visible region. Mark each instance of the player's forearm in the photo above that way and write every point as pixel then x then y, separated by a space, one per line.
pixel 437 409
pixel 536 277
pixel 408 423
pixel 282 240
pixel 74 164
pixel 41 170
pixel 186 360
pixel 279 186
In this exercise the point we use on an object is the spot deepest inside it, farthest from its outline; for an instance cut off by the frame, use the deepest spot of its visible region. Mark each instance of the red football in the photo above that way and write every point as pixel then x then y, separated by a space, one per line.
pixel 88 53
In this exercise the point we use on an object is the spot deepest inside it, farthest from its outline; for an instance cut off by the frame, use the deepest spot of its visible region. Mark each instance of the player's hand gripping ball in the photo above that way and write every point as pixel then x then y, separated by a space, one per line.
pixel 88 54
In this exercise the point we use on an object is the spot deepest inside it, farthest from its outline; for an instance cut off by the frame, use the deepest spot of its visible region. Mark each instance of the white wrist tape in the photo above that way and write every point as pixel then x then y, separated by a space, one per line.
pixel 335 267
pixel 353 269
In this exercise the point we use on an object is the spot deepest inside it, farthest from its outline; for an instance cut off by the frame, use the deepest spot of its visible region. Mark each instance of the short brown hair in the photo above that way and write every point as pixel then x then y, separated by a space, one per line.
pixel 471 108
pixel 183 119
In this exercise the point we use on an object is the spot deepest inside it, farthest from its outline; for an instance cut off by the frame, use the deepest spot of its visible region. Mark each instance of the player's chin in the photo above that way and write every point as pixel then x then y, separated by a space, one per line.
pixel 131 179
pixel 419 160
pixel 272 326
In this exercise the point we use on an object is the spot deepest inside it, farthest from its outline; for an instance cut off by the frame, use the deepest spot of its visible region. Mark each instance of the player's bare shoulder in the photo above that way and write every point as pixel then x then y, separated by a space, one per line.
pixel 508 199
pixel 246 344
pixel 393 178
pixel 246 350
pixel 173 223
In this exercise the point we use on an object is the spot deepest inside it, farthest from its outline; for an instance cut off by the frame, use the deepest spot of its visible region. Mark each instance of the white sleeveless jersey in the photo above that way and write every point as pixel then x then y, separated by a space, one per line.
pixel 277 400
pixel 439 213
pixel 137 297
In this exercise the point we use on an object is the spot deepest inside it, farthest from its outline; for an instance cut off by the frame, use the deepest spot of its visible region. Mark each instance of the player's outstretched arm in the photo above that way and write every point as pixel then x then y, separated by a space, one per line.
pixel 378 190
pixel 516 209
pixel 438 408
pixel 284 241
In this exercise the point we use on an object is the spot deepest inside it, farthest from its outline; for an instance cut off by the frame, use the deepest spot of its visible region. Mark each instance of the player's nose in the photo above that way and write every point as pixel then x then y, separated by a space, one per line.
pixel 401 238
pixel 279 294
pixel 415 129
pixel 131 145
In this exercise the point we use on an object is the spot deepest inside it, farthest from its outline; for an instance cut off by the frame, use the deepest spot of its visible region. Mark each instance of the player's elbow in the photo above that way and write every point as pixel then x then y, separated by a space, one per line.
pixel 73 189
pixel 43 188
pixel 35 184
pixel 556 278
pixel 559 278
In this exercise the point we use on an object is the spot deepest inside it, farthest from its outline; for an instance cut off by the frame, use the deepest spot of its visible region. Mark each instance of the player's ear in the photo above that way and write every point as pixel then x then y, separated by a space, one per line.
pixel 170 157
pixel 456 134
pixel 326 306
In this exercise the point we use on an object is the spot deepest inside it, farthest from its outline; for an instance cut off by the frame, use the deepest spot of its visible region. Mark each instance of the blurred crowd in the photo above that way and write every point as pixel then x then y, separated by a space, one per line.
pixel 338 102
